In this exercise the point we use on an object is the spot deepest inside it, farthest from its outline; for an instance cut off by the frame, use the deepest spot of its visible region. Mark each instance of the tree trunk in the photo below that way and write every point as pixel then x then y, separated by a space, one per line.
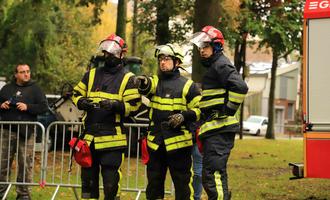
pixel 270 128
pixel 134 32
pixel 201 19
pixel 163 35
pixel 240 62
pixel 121 18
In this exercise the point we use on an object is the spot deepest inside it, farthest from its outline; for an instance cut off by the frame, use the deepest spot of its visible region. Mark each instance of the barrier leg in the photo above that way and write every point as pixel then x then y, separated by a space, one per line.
pixel 75 193
pixel 55 193
pixel 7 191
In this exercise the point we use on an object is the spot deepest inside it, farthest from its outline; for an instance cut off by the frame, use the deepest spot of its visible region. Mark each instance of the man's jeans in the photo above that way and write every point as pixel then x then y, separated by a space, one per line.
pixel 198 166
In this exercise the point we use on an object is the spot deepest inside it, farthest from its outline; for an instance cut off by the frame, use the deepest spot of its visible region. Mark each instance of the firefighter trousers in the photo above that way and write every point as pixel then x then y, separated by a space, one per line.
pixel 109 162
pixel 180 166
pixel 216 151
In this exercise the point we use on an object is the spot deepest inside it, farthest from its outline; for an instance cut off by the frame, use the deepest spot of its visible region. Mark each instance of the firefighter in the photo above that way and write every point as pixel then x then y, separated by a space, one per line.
pixel 223 91
pixel 107 95
pixel 173 105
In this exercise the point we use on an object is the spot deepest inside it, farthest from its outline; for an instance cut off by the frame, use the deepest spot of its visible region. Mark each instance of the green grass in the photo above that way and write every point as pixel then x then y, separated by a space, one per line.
pixel 257 169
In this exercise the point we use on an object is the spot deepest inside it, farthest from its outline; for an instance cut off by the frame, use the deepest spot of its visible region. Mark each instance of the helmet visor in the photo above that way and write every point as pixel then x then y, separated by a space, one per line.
pixel 200 39
pixel 110 47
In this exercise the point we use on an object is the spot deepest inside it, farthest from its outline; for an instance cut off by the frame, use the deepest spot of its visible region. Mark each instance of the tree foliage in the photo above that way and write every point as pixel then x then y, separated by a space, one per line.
pixel 55 46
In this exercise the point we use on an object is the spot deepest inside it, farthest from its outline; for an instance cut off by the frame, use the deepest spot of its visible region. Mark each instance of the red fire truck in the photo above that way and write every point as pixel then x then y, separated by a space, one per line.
pixel 316 91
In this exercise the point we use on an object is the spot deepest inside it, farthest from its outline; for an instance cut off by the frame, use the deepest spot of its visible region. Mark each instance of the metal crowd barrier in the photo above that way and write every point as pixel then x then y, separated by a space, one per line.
pixel 52 160
pixel 14 138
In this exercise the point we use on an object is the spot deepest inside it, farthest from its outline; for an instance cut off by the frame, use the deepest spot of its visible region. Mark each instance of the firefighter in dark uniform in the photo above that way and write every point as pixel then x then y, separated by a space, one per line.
pixel 173 105
pixel 223 91
pixel 107 94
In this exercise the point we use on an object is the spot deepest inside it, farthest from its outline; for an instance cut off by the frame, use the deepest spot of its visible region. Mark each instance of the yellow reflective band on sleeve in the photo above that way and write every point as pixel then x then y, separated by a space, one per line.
pixel 91 80
pixel 82 86
pixel 213 92
pixel 130 108
pixel 197 113
pixel 131 97
pixel 167 107
pixel 218 184
pixel 88 138
pixel 118 118
pixel 212 102
pixel 236 97
pixel 124 83
pixel 217 123
pixel 118 130
pixel 154 83
pixel 152 145
pixel 131 91
pixel 150 137
pixel 75 99
pixel 186 88
pixel 194 102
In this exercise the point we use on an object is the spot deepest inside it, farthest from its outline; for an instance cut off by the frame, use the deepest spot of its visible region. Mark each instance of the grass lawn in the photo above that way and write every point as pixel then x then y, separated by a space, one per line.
pixel 257 169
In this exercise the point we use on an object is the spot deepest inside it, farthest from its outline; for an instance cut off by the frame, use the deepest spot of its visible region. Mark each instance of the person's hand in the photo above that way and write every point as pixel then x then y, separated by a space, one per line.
pixel 141 81
pixel 5 105
pixel 176 120
pixel 85 104
pixel 109 105
pixel 21 106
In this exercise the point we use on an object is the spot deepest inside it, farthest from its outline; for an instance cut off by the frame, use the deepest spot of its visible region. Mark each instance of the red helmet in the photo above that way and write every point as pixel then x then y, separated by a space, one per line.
pixel 208 34
pixel 113 44
pixel 215 34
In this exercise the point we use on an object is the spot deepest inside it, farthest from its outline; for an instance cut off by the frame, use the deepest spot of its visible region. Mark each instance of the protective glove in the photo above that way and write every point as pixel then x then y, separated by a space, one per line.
pixel 85 104
pixel 109 105
pixel 176 120
pixel 141 82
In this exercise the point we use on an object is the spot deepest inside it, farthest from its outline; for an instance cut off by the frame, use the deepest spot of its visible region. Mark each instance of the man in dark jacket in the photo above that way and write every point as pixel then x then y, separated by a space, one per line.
pixel 107 95
pixel 20 100
pixel 223 91
pixel 173 106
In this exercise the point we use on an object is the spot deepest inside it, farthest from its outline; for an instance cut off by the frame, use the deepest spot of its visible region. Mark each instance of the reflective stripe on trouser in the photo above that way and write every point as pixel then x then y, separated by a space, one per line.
pixel 109 162
pixel 216 151
pixel 8 146
pixel 180 167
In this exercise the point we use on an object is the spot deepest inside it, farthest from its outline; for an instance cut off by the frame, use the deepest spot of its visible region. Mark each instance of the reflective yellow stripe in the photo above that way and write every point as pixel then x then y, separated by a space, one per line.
pixel 212 102
pixel 76 99
pixel 194 102
pixel 217 123
pixel 131 91
pixel 236 97
pixel 117 118
pixel 120 175
pixel 212 92
pixel 111 144
pixel 218 184
pixel 124 83
pixel 88 199
pixel 104 95
pixel 154 83
pixel 131 97
pixel 107 138
pixel 118 131
pixel 191 188
pixel 88 138
pixel 90 81
pixel 167 107
pixel 169 101
pixel 186 88
pixel 197 113
pixel 152 145
pixel 150 137
pixel 179 138
pixel 179 145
